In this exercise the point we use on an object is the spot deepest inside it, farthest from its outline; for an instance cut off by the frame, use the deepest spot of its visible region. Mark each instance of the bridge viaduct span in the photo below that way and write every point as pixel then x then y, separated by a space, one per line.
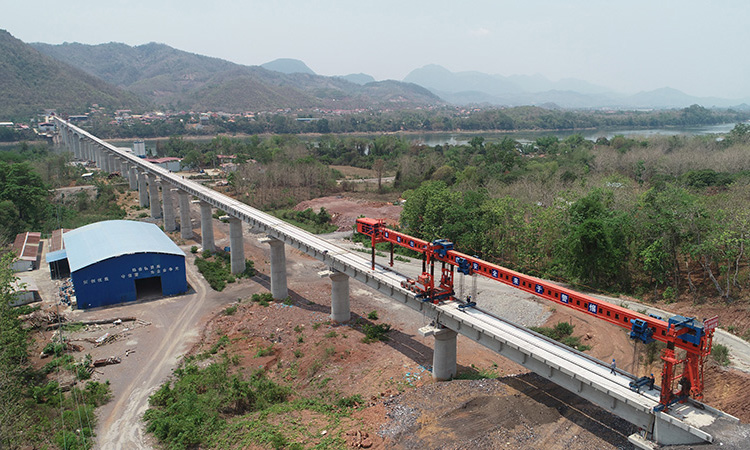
pixel 579 373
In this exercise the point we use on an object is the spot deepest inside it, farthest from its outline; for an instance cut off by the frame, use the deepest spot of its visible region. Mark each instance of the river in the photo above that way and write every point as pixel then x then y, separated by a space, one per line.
pixel 457 138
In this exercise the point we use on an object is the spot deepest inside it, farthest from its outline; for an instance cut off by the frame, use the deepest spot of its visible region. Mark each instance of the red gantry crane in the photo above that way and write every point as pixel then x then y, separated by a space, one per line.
pixel 677 332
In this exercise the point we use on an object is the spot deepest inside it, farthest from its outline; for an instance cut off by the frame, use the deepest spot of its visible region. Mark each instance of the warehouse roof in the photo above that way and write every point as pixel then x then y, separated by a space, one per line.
pixel 104 240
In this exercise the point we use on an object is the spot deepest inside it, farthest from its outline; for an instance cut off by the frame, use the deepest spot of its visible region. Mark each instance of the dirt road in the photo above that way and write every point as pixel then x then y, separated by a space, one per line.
pixel 175 325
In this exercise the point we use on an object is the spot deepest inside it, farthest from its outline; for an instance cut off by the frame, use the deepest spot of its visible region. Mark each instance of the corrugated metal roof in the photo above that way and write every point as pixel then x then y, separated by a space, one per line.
pixel 56 255
pixel 103 240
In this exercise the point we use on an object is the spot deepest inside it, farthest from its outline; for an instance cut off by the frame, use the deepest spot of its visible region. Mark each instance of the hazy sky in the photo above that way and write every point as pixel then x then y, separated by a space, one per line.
pixel 700 47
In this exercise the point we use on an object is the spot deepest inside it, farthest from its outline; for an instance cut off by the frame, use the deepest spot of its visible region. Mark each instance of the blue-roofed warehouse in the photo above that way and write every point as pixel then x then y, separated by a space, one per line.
pixel 120 261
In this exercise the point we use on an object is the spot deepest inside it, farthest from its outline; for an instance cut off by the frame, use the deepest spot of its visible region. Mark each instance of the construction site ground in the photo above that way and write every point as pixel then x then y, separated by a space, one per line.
pixel 404 407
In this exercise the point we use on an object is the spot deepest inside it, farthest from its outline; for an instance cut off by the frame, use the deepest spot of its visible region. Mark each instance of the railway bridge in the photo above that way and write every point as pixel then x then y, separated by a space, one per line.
pixel 685 423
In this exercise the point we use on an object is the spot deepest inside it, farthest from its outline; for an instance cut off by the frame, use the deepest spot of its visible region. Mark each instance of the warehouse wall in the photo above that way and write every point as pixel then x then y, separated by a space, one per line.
pixel 113 280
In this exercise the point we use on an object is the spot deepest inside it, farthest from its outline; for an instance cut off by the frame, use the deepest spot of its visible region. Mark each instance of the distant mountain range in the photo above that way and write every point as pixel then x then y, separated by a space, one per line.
pixel 32 81
pixel 71 77
pixel 179 80
pixel 518 90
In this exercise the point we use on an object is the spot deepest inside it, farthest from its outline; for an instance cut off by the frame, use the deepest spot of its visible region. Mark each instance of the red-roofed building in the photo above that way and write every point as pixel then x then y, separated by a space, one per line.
pixel 26 246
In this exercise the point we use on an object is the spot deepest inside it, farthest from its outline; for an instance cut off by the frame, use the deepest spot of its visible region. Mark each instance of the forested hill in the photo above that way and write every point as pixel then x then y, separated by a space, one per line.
pixel 180 80
pixel 32 81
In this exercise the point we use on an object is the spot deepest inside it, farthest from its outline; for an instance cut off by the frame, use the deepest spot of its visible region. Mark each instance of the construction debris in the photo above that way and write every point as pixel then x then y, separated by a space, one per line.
pixel 66 293
pixel 115 321
pixel 107 361
pixel 40 318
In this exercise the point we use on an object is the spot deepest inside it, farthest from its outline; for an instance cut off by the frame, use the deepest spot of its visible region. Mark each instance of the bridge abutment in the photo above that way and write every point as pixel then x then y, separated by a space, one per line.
pixel 207 228
pixel 236 244
pixel 668 433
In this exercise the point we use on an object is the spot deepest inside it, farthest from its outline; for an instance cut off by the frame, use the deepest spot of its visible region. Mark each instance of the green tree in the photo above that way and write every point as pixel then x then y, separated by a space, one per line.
pixel 13 361
pixel 24 188
pixel 596 246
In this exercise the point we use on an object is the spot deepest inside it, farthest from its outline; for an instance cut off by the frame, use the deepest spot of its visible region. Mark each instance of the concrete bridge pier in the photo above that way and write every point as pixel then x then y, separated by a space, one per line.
pixel 444 354
pixel 107 159
pixel 77 154
pixel 124 168
pixel 168 206
pixel 102 158
pixel 153 197
pixel 186 227
pixel 340 311
pixel 82 147
pixel 207 228
pixel 279 288
pixel 97 155
pixel 133 178
pixel 236 244
pixel 142 190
